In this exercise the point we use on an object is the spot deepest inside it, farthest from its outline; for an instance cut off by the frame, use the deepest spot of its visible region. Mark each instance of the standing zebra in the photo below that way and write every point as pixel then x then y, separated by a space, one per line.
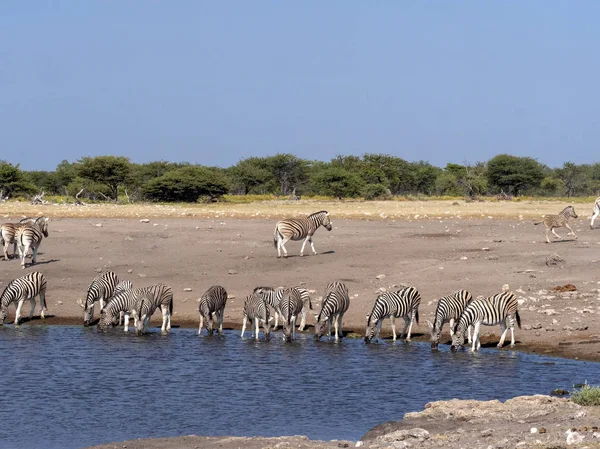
pixel 489 312
pixel 596 211
pixel 403 303
pixel 272 296
pixel 157 296
pixel 289 308
pixel 121 304
pixel 335 303
pixel 558 221
pixel 20 289
pixel 298 229
pixel 30 235
pixel 8 233
pixel 101 289
pixel 257 311
pixel 449 308
pixel 212 303
pixel 122 286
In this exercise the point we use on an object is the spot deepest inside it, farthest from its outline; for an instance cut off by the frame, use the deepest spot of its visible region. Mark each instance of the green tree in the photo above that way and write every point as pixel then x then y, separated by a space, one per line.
pixel 574 178
pixel 252 175
pixel 187 184
pixel 12 180
pixel 46 181
pixel 289 171
pixel 514 174
pixel 337 182
pixel 112 171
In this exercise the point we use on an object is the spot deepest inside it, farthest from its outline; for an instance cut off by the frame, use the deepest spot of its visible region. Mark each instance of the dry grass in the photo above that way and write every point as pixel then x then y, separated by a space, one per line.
pixel 371 210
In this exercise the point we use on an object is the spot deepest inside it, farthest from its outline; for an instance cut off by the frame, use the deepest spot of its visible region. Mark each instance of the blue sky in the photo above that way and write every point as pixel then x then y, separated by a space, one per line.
pixel 214 82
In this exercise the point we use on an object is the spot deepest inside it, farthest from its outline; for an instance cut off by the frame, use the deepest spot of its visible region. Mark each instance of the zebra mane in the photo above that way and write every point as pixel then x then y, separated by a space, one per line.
pixel 268 289
pixel 319 213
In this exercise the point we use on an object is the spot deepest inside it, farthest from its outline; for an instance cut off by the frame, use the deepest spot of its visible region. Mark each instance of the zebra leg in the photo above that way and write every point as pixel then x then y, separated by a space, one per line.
pixel 165 314
pixel 512 331
pixel 410 323
pixel 596 213
pixel 393 320
pixel 302 319
pixel 32 301
pixel 257 327
pixel 22 254
pixel 18 312
pixel 572 232
pixel 282 245
pixel 34 254
pixel 504 329
pixel 451 324
pixel 200 325
pixel 221 313
pixel 303 245
pixel 276 320
pixel 6 249
pixel 329 327
pixel 554 232
pixel 469 328
pixel 126 323
pixel 312 246
pixel 244 325
pixel 475 337
pixel 336 325
pixel 378 330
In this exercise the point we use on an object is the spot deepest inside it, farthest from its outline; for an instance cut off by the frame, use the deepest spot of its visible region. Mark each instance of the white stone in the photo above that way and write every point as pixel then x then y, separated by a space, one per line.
pixel 144 220
pixel 573 437
pixel 533 430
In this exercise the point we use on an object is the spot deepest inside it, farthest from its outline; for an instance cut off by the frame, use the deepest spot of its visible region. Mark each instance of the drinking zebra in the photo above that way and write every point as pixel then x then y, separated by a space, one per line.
pixel 8 233
pixel 158 296
pixel 20 289
pixel 272 296
pixel 335 303
pixel 101 289
pixel 212 303
pixel 120 305
pixel 121 287
pixel 558 221
pixel 403 303
pixel 256 311
pixel 489 312
pixel 298 229
pixel 30 235
pixel 596 211
pixel 449 309
pixel 289 308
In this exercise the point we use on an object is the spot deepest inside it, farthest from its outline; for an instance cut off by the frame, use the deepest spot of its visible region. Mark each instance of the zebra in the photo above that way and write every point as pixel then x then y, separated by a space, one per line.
pixel 8 232
pixel 20 289
pixel 154 297
pixel 558 221
pixel 212 303
pixel 121 304
pixel 298 229
pixel 121 287
pixel 101 289
pixel 596 211
pixel 272 296
pixel 335 303
pixel 30 236
pixel 289 307
pixel 489 312
pixel 449 308
pixel 257 311
pixel 403 303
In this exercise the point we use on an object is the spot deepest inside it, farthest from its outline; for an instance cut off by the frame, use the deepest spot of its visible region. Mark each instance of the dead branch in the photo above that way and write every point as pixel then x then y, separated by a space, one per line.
pixel 2 197
pixel 39 199
pixel 78 202
pixel 103 196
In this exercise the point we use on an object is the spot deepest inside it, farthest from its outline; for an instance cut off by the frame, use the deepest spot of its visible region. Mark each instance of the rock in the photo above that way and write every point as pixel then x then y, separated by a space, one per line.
pixel 187 289
pixel 98 225
pixel 142 275
pixel 559 392
pixel 527 327
pixel 464 258
pixel 549 312
pixel 130 271
pixel 59 303
pixel 232 272
pixel 382 289
pixel 98 270
pixel 486 433
pixel 533 430
pixel 492 258
pixel 128 239
pixel 381 276
pixel 144 220
pixel 359 444
pixel 573 437
pixel 537 326
pixel 542 430
pixel 485 249
pixel 596 435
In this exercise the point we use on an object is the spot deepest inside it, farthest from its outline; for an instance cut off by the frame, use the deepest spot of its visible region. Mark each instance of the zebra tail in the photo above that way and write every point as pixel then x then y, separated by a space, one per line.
pixel 417 316
pixel 518 319
pixel 275 238
pixel 538 222
pixel 171 307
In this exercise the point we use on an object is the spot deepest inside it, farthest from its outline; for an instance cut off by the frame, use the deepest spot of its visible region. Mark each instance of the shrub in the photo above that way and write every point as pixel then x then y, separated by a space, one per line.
pixel 587 395
pixel 376 191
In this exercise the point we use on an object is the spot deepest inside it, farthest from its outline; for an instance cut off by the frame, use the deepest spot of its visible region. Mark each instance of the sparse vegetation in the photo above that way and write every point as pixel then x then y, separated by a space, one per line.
pixel 586 395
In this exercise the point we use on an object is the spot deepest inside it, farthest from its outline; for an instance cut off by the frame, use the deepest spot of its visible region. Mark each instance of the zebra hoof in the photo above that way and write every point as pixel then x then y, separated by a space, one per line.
pixel 301 255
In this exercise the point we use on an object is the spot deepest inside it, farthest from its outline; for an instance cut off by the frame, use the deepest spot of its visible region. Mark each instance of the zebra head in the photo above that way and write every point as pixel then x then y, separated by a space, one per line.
pixel 436 332
pixel 107 319
pixel 88 312
pixel 327 222
pixel 569 211
pixel 458 339
pixel 320 325
pixel 371 328
pixel 42 223
pixel 3 313
pixel 141 314
pixel 208 318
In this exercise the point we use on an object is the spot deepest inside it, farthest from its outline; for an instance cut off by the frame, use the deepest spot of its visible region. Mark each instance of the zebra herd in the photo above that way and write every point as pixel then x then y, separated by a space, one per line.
pixel 119 300
pixel 25 235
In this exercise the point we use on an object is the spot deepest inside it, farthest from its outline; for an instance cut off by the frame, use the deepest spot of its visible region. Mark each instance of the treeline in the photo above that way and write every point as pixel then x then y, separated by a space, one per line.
pixel 370 176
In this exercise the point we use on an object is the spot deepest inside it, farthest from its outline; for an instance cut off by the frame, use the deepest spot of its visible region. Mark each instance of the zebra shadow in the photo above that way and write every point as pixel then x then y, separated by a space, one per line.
pixel 28 265
pixel 26 319
pixel 324 253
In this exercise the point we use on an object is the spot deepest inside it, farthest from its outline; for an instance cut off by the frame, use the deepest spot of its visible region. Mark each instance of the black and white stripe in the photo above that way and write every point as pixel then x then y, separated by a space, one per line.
pixel 122 287
pixel 8 232
pixel 29 236
pixel 489 312
pixel 256 310
pixel 19 290
pixel 101 289
pixel 335 303
pixel 596 211
pixel 298 229
pixel 449 309
pixel 289 308
pixel 120 305
pixel 403 303
pixel 157 296
pixel 212 303
pixel 272 296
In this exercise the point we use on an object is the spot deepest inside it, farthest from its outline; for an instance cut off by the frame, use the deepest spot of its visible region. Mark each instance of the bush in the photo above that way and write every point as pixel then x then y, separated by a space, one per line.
pixel 587 395
pixel 187 184
pixel 376 192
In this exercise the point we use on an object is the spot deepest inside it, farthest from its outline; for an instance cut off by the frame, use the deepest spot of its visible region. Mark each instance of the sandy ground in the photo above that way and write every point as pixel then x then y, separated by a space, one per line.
pixel 437 254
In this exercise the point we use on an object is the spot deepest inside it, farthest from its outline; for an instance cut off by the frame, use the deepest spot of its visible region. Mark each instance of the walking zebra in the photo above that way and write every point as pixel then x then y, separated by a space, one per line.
pixel 120 305
pixel 596 211
pixel 403 303
pixel 335 303
pixel 449 308
pixel 558 221
pixel 158 296
pixel 212 303
pixel 489 312
pixel 30 235
pixel 101 289
pixel 20 289
pixel 256 311
pixel 272 296
pixel 8 233
pixel 298 229
pixel 289 308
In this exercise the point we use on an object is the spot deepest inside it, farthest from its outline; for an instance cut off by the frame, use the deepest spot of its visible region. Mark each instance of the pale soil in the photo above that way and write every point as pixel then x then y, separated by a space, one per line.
pixel 429 254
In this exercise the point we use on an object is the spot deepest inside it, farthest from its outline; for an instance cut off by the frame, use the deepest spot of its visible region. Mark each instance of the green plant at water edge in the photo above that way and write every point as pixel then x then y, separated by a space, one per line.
pixel 587 395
